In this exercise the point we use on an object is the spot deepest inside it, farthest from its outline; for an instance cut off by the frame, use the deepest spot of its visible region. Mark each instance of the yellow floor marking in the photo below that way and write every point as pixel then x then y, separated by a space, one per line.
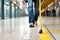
pixel 45 35
pixel 55 30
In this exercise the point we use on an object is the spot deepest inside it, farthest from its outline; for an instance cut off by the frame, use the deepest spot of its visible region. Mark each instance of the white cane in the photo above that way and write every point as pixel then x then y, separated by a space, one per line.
pixel 40 29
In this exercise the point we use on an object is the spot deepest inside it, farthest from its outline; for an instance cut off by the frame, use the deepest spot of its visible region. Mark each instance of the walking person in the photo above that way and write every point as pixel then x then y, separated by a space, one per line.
pixel 32 13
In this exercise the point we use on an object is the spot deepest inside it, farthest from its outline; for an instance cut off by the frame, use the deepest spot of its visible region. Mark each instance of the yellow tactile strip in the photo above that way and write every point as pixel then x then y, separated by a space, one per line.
pixel 45 35
pixel 55 31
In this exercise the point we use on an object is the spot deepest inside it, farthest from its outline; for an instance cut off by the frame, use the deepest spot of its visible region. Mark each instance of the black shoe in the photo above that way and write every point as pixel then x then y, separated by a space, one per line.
pixel 36 23
pixel 31 25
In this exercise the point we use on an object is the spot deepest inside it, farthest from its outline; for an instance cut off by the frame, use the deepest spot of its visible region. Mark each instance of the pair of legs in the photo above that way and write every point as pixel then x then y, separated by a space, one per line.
pixel 33 12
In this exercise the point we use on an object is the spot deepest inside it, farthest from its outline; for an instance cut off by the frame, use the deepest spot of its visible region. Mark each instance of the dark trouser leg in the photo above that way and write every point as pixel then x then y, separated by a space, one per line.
pixel 36 9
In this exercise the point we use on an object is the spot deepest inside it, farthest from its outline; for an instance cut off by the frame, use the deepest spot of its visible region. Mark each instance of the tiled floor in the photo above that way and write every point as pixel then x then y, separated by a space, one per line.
pixel 17 29
pixel 53 24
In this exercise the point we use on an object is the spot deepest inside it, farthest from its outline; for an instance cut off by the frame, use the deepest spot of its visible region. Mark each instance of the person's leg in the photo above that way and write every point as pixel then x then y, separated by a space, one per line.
pixel 30 11
pixel 36 14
